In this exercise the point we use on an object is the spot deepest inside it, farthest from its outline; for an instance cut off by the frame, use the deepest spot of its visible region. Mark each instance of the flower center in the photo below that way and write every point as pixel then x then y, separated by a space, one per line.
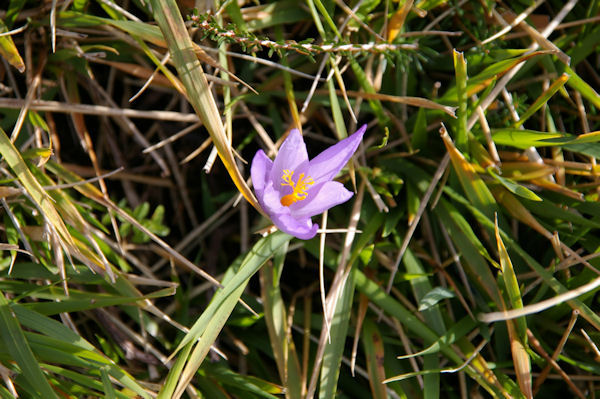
pixel 299 187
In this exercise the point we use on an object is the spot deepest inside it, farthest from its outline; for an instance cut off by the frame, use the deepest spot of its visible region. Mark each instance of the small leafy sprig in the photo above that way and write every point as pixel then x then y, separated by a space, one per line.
pixel 250 42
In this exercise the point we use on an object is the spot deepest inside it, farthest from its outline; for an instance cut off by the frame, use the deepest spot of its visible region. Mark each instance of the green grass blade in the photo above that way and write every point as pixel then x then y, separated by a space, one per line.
pixel 543 98
pixel 283 347
pixel 517 328
pixel 374 353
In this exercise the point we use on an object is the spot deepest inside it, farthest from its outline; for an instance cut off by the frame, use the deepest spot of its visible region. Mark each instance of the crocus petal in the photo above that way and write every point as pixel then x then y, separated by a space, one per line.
pixel 300 227
pixel 291 155
pixel 271 200
pixel 304 229
pixel 260 170
pixel 328 195
pixel 327 164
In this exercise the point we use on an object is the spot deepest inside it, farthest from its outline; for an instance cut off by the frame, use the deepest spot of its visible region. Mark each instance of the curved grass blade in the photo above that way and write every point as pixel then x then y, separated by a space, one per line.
pixel 56 330
pixel 208 326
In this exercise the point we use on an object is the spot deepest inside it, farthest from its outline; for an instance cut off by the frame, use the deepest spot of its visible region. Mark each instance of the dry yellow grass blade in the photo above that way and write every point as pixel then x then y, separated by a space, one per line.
pixel 192 76
pixel 397 20
pixel 9 51
pixel 35 190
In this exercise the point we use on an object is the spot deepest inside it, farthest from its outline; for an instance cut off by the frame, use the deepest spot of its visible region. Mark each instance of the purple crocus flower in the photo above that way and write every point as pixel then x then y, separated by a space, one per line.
pixel 292 189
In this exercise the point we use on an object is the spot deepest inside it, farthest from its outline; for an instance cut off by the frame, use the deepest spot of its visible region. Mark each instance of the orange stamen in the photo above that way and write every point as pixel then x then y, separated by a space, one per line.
pixel 299 187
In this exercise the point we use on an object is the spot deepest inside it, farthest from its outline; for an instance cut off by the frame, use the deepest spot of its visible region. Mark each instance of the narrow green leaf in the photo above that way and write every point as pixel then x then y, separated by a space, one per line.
pixel 513 187
pixel 482 80
pixel 14 8
pixel 543 98
pixel 582 87
pixel 522 138
pixel 457 331
pixel 511 284
pixel 332 356
pixel 58 331
pixel 546 275
pixel 283 347
pixel 460 72
pixel 433 318
pixel 109 390
pixel 374 354
pixel 375 104
pixel 419 133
